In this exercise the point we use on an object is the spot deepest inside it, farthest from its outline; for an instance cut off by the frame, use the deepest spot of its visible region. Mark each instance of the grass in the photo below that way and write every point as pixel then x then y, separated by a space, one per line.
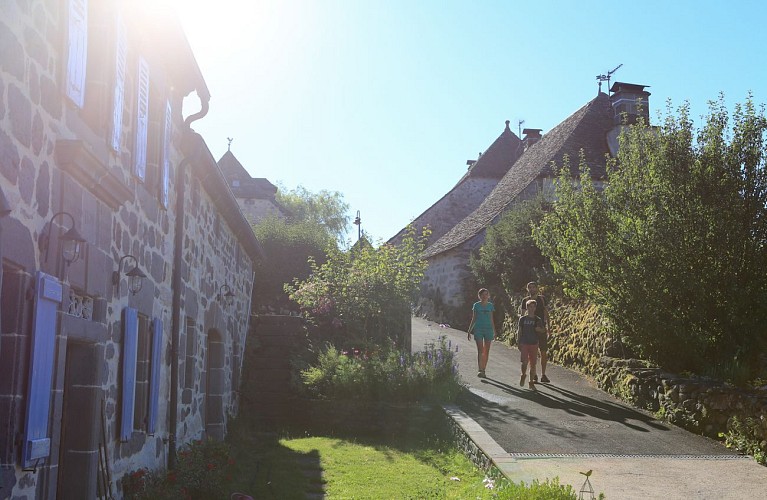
pixel 421 462
pixel 418 462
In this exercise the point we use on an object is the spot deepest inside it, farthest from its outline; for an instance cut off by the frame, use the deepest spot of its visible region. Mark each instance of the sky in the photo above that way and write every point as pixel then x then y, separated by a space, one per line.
pixel 385 101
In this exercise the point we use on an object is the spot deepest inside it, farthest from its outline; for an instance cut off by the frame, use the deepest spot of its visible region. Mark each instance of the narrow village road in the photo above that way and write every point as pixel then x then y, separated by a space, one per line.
pixel 569 426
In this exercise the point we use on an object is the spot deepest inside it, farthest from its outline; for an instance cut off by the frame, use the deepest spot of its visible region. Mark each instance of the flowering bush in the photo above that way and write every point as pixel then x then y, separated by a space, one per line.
pixel 385 375
pixel 362 297
pixel 202 472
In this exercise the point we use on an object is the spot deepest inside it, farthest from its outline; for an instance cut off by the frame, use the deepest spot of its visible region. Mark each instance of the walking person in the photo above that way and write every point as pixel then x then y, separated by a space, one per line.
pixel 482 327
pixel 528 330
pixel 542 311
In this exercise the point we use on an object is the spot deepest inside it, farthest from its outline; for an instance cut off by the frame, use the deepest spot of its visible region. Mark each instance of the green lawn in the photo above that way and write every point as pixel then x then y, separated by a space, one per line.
pixel 420 462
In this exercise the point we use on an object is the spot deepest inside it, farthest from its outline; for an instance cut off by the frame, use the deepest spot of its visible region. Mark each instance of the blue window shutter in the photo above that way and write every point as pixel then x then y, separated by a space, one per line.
pixel 154 381
pixel 130 350
pixel 165 175
pixel 37 441
pixel 118 101
pixel 142 119
pixel 77 51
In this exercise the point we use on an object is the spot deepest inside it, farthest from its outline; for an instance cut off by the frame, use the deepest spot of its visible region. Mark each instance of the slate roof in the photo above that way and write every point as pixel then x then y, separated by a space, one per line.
pixel 493 164
pixel 585 129
pixel 497 159
pixel 250 187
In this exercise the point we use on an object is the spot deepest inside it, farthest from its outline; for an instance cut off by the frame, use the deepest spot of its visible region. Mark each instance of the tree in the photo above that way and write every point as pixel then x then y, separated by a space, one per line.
pixel 673 250
pixel 509 257
pixel 287 246
pixel 363 297
pixel 326 209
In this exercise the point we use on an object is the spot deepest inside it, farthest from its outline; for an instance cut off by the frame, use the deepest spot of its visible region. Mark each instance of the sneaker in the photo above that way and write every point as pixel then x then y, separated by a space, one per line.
pixel 522 380
pixel 532 385
pixel 481 374
pixel 534 378
pixel 545 379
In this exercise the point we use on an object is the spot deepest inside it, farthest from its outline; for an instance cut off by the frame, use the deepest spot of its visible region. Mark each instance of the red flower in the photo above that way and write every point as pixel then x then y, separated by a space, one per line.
pixel 211 466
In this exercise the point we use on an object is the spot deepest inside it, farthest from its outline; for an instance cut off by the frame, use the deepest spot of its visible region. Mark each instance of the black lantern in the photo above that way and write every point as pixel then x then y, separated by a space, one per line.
pixel 72 242
pixel 225 295
pixel 135 276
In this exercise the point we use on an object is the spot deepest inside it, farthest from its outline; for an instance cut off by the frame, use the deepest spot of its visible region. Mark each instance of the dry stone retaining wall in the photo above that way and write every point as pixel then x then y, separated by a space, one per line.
pixel 582 340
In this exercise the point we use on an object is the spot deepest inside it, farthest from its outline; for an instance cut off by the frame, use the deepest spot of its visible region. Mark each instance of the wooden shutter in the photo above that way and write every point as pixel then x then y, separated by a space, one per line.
pixel 118 101
pixel 37 441
pixel 154 380
pixel 77 51
pixel 130 351
pixel 165 162
pixel 142 119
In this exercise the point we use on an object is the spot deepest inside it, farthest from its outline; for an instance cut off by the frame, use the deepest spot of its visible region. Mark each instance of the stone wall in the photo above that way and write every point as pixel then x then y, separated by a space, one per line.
pixel 56 156
pixel 448 289
pixel 582 340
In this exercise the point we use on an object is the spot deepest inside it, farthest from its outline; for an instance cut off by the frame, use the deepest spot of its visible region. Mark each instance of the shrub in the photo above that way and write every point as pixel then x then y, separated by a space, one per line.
pixel 361 298
pixel 673 250
pixel 385 375
pixel 202 472
pixel 745 436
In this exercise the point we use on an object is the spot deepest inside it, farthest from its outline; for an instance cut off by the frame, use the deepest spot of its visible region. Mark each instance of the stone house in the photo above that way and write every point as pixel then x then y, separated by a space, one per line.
pixel 449 288
pixel 127 266
pixel 473 187
pixel 255 196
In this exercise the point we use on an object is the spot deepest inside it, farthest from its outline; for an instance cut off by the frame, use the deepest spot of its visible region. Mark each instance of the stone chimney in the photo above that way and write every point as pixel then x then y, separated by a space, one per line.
pixel 631 100
pixel 531 136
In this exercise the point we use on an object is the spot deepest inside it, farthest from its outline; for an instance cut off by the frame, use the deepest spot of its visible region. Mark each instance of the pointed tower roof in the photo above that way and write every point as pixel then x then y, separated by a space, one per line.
pixel 497 159
pixel 492 164
pixel 586 130
pixel 231 167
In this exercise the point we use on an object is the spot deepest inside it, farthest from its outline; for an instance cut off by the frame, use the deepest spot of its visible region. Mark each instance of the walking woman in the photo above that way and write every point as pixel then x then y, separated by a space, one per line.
pixel 483 328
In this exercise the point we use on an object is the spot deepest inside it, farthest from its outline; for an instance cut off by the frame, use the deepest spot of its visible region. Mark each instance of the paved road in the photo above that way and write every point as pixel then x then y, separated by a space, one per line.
pixel 569 426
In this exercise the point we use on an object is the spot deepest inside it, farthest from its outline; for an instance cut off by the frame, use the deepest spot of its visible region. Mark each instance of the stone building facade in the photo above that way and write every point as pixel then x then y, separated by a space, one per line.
pixel 254 195
pixel 99 377
pixel 471 190
pixel 449 288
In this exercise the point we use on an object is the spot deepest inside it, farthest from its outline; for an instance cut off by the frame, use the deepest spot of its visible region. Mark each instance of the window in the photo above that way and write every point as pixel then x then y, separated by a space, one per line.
pixel 143 351
pixel 77 46
pixel 191 354
pixel 118 94
pixel 167 138
pixel 14 315
pixel 142 119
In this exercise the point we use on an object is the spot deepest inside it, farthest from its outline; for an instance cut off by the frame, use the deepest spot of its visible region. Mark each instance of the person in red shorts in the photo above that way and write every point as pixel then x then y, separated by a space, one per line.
pixel 528 329
pixel 542 311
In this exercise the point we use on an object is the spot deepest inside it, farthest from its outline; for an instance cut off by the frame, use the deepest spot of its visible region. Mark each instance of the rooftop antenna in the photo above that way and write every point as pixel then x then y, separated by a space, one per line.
pixel 606 78
pixel 229 146
pixel 519 126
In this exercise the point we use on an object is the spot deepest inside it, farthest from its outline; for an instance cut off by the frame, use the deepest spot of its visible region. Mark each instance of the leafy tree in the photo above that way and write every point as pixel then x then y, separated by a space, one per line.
pixel 287 248
pixel 673 249
pixel 363 297
pixel 509 257
pixel 326 209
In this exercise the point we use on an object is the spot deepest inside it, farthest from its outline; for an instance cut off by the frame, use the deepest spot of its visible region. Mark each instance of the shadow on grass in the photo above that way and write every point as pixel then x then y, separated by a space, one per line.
pixel 268 469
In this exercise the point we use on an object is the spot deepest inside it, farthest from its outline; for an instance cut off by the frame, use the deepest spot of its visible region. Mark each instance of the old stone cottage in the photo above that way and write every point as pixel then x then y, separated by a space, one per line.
pixel 448 287
pixel 254 195
pixel 127 265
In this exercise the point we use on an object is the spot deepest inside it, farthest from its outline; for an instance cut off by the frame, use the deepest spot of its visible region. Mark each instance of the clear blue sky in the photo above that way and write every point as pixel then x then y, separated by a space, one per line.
pixel 384 101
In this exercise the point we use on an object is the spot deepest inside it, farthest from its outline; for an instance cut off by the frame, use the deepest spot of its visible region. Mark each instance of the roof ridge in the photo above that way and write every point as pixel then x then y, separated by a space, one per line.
pixel 536 160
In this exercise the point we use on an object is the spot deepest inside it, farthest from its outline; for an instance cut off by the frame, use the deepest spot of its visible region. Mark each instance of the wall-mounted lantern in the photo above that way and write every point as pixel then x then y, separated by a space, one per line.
pixel 72 242
pixel 225 295
pixel 135 276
